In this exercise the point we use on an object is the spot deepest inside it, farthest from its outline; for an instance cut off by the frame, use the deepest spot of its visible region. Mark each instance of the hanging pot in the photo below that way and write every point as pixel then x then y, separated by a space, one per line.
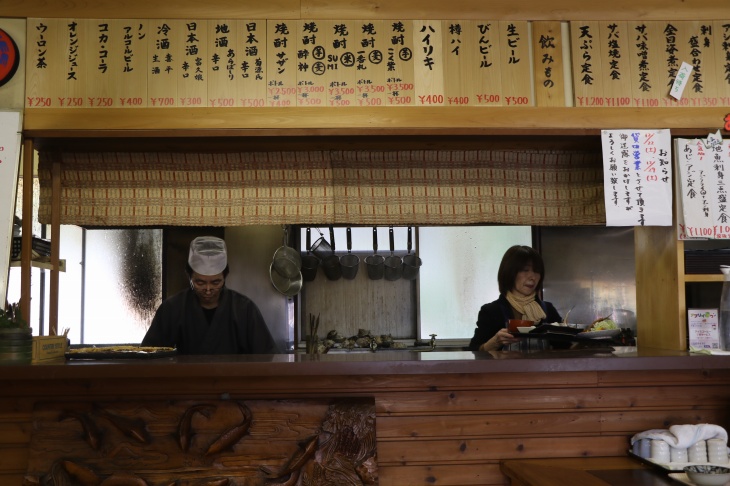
pixel 375 263
pixel 310 263
pixel 349 262
pixel 331 264
pixel 287 261
pixel 321 247
pixel 411 263
pixel 393 264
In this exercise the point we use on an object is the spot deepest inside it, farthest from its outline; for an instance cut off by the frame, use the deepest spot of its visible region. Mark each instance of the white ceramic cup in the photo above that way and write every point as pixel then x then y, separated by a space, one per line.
pixel 660 451
pixel 677 454
pixel 717 451
pixel 645 448
pixel 698 452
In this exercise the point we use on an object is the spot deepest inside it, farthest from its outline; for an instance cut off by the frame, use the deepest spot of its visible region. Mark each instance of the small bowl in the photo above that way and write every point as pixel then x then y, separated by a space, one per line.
pixel 525 330
pixel 514 324
pixel 705 475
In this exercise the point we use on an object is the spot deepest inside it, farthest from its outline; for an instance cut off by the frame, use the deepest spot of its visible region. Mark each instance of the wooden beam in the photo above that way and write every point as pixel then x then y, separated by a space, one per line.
pixel 371 9
pixel 443 120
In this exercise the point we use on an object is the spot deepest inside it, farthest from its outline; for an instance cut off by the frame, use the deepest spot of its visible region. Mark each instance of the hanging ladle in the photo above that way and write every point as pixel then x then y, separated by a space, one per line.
pixel 349 262
pixel 331 264
pixel 374 263
pixel 310 262
pixel 411 262
pixel 393 264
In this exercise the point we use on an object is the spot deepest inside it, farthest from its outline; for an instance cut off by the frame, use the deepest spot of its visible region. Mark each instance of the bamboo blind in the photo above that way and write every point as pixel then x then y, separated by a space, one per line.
pixel 438 187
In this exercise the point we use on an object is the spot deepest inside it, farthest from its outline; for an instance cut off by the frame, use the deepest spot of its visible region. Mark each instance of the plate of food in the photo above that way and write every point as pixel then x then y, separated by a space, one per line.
pixel 119 352
pixel 601 328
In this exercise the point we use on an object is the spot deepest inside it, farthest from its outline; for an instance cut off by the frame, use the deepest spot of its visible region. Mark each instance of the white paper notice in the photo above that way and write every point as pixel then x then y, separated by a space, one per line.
pixel 683 77
pixel 703 189
pixel 637 177
pixel 703 325
pixel 10 128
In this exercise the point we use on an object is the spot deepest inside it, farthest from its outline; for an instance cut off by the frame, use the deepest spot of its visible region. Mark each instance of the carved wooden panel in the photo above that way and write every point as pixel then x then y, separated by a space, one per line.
pixel 204 442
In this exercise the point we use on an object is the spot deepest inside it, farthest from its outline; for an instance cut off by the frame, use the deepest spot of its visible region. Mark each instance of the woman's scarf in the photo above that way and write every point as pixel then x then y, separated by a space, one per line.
pixel 527 306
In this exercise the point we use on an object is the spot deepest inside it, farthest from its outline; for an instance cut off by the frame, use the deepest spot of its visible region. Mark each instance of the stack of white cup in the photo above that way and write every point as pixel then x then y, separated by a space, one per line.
pixel 717 451
pixel 660 451
pixel 697 452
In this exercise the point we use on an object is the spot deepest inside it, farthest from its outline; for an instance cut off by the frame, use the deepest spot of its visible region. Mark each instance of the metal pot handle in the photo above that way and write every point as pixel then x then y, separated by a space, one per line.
pixel 392 240
pixel 332 238
pixel 375 239
pixel 309 239
pixel 409 239
pixel 349 240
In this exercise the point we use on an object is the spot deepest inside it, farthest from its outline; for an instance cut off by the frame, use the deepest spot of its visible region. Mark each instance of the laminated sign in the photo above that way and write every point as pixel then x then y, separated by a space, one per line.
pixel 701 166
pixel 10 128
pixel 637 177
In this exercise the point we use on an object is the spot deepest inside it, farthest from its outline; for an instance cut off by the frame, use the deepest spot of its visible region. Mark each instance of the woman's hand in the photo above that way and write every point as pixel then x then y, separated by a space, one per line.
pixel 502 338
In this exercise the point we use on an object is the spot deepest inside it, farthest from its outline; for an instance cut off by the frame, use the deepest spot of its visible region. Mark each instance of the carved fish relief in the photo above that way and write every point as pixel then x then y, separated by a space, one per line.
pixel 232 435
pixel 184 428
pixel 299 458
pixel 82 475
pixel 92 434
pixel 134 428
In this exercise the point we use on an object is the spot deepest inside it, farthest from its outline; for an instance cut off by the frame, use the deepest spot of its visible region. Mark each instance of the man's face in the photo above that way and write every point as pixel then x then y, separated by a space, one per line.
pixel 207 288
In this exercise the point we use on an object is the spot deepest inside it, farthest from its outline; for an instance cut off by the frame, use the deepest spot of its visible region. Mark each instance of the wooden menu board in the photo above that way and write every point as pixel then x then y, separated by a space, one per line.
pixel 371 63
pixel 634 63
pixel 548 63
pixel 92 63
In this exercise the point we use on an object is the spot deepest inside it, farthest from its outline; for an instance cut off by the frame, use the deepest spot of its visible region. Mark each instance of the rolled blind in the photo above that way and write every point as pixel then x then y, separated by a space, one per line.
pixel 438 187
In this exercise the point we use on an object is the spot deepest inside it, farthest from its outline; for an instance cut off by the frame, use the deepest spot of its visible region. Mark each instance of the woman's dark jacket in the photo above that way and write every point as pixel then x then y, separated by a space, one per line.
pixel 494 316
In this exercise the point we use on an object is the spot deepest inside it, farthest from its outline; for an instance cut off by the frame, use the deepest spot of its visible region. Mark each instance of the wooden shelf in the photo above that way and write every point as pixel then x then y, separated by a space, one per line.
pixel 43 265
pixel 698 277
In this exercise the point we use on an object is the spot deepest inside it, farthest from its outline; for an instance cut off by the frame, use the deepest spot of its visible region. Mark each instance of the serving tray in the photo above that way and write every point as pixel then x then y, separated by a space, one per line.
pixel 564 333
pixel 120 352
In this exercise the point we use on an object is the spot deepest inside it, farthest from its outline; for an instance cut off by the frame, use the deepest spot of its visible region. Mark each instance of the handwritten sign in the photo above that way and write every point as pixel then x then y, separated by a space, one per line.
pixel 637 177
pixel 10 128
pixel 703 189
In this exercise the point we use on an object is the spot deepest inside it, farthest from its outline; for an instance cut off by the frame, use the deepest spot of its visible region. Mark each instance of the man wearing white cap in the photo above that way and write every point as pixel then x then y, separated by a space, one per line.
pixel 209 318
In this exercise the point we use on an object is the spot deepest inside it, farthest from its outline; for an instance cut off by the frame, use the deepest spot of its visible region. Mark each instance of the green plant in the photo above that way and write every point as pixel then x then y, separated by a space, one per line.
pixel 12 318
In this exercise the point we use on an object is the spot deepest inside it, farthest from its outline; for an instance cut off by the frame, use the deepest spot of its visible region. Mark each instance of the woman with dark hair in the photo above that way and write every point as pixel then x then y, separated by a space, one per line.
pixel 520 277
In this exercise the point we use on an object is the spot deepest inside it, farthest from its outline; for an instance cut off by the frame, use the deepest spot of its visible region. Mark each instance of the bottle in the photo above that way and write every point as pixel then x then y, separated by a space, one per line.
pixel 724 322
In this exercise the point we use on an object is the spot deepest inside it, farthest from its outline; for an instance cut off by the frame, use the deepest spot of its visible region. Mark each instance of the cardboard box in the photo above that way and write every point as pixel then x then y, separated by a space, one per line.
pixel 48 348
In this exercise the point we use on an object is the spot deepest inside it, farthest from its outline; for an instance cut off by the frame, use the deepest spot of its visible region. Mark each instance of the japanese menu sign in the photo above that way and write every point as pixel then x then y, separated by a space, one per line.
pixel 167 63
pixel 637 175
pixel 703 192
pixel 634 63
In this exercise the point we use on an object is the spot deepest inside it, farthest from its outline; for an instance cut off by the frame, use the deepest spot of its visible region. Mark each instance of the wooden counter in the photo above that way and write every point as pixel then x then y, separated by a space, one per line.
pixel 441 417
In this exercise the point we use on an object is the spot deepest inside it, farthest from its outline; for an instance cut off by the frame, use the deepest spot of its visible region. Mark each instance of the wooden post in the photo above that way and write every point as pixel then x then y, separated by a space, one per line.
pixel 26 247
pixel 55 247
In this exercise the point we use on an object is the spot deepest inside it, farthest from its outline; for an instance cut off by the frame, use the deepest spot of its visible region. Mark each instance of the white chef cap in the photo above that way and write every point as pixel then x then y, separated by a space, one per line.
pixel 208 255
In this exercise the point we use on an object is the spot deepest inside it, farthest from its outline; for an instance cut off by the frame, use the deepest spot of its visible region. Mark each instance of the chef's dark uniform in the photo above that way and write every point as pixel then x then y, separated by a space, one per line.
pixel 237 326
